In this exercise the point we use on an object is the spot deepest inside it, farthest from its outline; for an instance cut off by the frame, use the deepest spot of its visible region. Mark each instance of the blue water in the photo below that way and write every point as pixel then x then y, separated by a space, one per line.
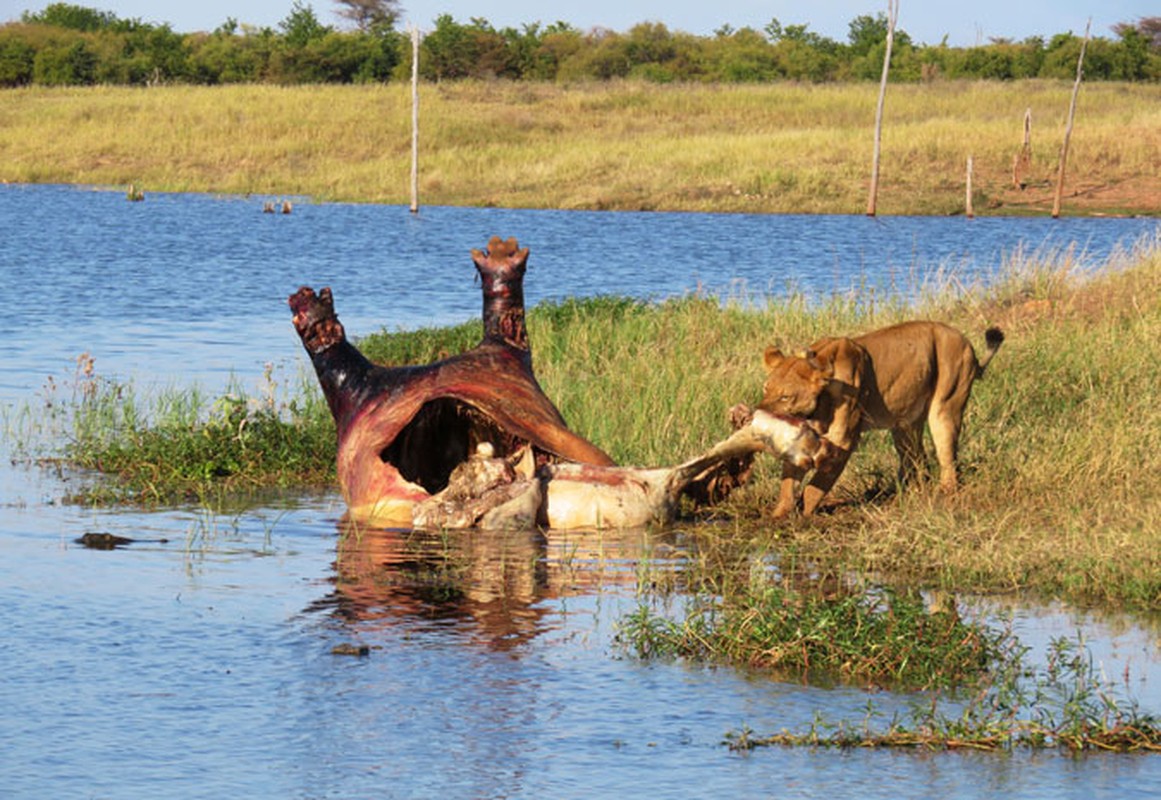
pixel 192 287
pixel 198 661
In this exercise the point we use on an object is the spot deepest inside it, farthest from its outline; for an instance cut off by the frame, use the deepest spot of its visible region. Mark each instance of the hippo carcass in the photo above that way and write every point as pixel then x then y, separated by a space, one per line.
pixel 490 492
pixel 404 430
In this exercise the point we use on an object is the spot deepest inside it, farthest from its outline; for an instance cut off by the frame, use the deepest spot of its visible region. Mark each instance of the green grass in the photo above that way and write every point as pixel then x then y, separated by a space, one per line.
pixel 180 445
pixel 972 685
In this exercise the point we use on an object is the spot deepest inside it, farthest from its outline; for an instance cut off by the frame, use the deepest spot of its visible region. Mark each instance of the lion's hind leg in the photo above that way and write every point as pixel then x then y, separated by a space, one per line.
pixel 909 445
pixel 945 420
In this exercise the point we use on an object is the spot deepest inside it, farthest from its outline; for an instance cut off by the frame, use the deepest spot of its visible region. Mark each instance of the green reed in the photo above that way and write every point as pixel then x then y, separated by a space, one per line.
pixel 880 637
pixel 1065 704
pixel 180 445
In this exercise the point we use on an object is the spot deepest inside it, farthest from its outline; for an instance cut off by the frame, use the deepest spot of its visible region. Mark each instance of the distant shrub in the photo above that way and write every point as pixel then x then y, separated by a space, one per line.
pixel 66 64
pixel 17 61
pixel 301 49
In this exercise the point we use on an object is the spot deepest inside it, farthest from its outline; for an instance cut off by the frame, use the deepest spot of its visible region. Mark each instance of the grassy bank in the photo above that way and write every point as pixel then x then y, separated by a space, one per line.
pixel 754 148
pixel 1061 457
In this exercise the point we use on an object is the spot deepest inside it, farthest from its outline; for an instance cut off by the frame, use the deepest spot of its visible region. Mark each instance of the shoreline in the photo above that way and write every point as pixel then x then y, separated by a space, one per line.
pixel 1149 213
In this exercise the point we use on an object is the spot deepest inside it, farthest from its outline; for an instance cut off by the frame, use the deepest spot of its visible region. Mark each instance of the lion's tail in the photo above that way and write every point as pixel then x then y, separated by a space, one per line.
pixel 993 338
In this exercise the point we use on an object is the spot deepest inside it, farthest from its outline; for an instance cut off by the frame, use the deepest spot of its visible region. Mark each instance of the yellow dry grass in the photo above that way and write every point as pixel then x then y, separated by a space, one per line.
pixel 756 148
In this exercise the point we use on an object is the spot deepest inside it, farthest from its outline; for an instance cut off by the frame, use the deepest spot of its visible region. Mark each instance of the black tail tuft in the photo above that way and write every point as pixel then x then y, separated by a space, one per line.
pixel 994 338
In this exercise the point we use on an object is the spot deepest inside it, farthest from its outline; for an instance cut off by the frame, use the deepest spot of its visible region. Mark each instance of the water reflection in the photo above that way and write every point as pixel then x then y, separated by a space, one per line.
pixel 491 587
pixel 481 584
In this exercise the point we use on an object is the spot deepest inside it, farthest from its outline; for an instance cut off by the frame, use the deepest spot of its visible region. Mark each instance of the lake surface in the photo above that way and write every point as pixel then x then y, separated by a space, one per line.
pixel 197 662
pixel 194 287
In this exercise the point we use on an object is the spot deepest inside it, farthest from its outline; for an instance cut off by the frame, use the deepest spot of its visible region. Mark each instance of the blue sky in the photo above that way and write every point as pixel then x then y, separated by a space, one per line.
pixel 927 21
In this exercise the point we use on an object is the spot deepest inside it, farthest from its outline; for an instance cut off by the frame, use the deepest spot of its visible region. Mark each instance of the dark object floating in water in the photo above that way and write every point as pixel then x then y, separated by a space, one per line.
pixel 111 541
pixel 103 541
pixel 347 649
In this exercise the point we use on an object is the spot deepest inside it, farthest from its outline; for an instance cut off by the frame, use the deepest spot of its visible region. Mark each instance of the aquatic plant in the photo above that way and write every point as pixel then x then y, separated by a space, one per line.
pixel 177 445
pixel 1065 704
pixel 880 637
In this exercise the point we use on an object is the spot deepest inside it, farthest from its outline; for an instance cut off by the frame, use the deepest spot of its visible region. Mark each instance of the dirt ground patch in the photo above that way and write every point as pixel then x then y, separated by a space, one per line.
pixel 1134 197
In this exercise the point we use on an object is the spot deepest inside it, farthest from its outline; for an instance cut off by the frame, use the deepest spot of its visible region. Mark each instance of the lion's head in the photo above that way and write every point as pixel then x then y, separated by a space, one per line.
pixel 794 383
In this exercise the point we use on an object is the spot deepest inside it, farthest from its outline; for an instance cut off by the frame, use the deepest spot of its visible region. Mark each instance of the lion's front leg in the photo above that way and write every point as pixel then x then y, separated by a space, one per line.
pixel 827 472
pixel 791 479
pixel 824 478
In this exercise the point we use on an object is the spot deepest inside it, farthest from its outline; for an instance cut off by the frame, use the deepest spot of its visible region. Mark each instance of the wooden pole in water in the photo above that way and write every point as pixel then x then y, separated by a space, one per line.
pixel 892 16
pixel 414 120
pixel 1068 127
pixel 971 212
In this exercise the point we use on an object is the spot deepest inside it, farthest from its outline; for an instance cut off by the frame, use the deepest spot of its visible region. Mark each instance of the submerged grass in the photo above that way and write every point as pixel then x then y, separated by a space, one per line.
pixel 1066 705
pixel 880 637
pixel 977 690
pixel 1061 455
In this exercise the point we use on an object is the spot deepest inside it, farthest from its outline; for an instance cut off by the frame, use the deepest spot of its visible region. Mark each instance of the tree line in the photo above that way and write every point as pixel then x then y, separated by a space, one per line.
pixel 67 44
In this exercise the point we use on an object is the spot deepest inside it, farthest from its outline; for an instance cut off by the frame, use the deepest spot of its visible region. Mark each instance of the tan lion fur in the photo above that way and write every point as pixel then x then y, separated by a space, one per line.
pixel 898 378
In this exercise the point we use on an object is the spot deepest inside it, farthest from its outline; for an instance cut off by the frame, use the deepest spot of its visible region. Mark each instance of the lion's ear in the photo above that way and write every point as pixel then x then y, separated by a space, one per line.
pixel 772 357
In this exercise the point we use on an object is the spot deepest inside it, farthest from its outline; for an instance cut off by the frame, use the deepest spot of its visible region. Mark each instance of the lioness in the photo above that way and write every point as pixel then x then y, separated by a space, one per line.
pixel 897 378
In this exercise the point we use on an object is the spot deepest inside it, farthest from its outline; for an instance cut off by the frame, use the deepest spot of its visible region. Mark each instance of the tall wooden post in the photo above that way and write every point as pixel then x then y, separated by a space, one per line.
pixel 414 119
pixel 1022 162
pixel 968 208
pixel 892 16
pixel 1068 127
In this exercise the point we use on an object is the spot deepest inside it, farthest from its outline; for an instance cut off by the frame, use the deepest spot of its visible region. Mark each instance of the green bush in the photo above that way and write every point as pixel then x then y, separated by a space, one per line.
pixel 43 48
pixel 17 61
pixel 66 64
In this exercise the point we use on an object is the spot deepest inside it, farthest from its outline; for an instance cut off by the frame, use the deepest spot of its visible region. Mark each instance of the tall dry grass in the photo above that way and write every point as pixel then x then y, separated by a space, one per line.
pixel 763 148
pixel 1060 458
pixel 1061 455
